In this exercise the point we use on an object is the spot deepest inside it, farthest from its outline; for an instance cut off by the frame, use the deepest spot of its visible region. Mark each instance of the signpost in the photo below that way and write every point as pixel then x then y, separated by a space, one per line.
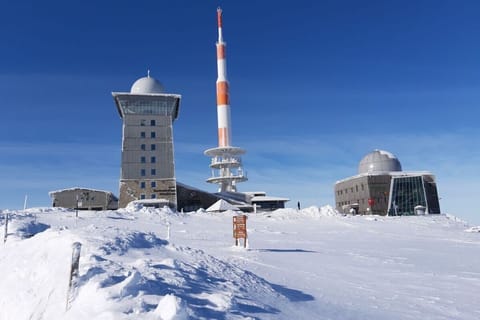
pixel 240 229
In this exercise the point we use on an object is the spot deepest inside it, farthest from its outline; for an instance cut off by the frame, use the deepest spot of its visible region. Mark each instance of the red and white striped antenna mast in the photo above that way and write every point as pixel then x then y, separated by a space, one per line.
pixel 226 162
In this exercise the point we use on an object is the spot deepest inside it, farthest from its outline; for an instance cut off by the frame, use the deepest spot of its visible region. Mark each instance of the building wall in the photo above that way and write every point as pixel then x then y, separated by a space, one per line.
pixel 407 193
pixel 147 157
pixel 87 199
pixel 136 189
pixel 355 193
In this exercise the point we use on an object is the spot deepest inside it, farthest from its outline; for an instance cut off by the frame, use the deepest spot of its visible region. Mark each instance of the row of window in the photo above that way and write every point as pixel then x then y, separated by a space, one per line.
pixel 143 159
pixel 143 172
pixel 152 147
pixel 143 134
pixel 143 122
pixel 362 201
pixel 152 196
pixel 153 184
pixel 339 192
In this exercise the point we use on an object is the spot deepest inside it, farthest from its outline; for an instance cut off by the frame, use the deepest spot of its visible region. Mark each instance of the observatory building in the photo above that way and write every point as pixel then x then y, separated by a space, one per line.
pixel 381 187
pixel 148 170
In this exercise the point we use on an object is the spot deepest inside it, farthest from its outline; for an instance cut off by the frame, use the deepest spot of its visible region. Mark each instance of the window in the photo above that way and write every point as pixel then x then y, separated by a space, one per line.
pixel 153 172
pixel 142 196
pixel 153 159
pixel 142 134
pixel 363 187
pixel 153 196
pixel 142 185
pixel 356 188
pixel 142 159
pixel 142 147
pixel 142 122
pixel 154 184
pixel 152 123
pixel 142 172
pixel 152 134
pixel 153 147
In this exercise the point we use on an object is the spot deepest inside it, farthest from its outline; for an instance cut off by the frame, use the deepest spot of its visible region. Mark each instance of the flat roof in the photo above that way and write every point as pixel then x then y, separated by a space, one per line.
pixel 389 173
pixel 268 198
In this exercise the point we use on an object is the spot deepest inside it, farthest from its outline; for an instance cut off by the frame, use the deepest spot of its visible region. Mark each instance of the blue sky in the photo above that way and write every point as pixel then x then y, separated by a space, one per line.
pixel 315 85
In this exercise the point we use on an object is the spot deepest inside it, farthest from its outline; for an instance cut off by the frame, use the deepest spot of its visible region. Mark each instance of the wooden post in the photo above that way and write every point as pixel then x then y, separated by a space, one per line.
pixel 76 247
pixel 6 228
pixel 240 229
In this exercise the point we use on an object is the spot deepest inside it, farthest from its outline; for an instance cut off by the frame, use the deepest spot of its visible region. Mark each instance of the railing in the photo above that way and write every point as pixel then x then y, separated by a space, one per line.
pixel 220 160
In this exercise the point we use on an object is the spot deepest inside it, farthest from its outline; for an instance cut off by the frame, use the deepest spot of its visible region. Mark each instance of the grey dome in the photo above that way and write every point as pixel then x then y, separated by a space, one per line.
pixel 146 85
pixel 379 161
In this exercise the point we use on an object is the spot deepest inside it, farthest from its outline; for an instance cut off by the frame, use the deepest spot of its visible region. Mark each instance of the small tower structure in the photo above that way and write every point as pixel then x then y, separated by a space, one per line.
pixel 148 167
pixel 226 162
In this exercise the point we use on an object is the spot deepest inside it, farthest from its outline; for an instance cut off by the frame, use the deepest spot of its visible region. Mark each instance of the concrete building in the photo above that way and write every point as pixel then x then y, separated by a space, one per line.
pixel 147 170
pixel 381 187
pixel 84 199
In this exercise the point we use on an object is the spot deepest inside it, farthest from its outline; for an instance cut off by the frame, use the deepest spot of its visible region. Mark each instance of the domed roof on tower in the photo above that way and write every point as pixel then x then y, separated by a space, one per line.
pixel 147 85
pixel 379 161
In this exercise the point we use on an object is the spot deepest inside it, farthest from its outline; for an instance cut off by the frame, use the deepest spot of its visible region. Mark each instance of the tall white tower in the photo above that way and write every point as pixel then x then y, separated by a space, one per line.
pixel 148 166
pixel 226 162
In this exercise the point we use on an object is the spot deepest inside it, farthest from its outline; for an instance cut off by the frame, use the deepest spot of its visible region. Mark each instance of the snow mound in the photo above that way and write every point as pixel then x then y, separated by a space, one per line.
pixel 310 212
pixel 473 229
pixel 123 274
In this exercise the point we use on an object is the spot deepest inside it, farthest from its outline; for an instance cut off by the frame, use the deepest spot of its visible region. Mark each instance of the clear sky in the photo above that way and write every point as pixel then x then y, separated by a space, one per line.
pixel 315 85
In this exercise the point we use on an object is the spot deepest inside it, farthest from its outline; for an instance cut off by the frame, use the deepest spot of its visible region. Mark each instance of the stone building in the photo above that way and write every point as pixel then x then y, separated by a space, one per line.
pixel 148 167
pixel 381 187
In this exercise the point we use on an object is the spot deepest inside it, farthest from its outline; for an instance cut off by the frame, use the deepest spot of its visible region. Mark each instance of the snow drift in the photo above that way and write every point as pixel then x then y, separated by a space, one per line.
pixel 310 263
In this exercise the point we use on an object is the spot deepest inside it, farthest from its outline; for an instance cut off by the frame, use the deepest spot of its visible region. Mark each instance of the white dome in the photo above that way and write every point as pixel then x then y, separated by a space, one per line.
pixel 379 161
pixel 146 85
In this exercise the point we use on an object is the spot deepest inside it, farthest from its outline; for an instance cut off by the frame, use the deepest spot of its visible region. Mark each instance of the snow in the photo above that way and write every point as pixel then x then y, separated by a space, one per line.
pixel 300 264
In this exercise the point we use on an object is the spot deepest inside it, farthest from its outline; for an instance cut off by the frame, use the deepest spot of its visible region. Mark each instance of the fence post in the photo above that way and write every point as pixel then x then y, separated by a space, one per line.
pixel 76 246
pixel 6 228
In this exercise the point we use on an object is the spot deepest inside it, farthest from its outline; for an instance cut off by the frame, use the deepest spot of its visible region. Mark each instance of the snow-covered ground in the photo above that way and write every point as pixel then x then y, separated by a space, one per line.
pixel 308 264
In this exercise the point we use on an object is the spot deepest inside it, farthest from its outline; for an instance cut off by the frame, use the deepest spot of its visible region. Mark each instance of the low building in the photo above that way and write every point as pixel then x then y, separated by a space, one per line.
pixel 381 187
pixel 84 199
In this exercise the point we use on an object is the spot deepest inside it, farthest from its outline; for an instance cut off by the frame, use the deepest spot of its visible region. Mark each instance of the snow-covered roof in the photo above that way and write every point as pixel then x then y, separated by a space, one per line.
pixel 51 193
pixel 221 205
pixel 267 198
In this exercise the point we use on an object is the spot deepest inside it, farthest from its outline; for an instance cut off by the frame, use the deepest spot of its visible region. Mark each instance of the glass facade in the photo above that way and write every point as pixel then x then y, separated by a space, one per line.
pixel 156 105
pixel 407 193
